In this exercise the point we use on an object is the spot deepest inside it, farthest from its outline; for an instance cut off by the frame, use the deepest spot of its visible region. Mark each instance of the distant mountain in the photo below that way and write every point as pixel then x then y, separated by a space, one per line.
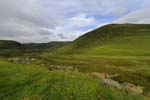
pixel 12 48
pixel 44 45
pixel 8 44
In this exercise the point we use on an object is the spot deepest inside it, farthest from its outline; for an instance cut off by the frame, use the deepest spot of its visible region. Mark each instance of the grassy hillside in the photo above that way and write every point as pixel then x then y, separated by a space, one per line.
pixel 44 45
pixel 22 82
pixel 116 48
pixel 121 49
pixel 12 48
pixel 113 39
pixel 7 44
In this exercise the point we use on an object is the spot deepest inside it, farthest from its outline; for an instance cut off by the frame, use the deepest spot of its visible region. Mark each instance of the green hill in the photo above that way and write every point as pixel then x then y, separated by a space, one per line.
pixel 12 48
pixel 7 44
pixel 120 39
pixel 116 48
pixel 44 45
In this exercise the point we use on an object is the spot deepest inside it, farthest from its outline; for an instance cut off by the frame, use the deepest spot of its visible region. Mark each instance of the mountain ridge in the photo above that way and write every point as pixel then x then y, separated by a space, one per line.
pixel 11 44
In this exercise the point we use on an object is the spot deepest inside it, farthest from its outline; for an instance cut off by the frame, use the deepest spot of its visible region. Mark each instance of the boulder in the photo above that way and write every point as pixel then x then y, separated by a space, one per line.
pixel 15 60
pixel 99 75
pixel 112 83
pixel 129 87
pixel 33 59
pixel 68 68
pixel 61 68
pixel 24 60
pixel 42 65
pixel 76 70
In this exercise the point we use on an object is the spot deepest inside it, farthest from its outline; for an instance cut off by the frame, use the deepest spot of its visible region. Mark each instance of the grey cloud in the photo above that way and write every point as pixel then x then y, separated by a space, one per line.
pixel 62 36
pixel 23 18
pixel 138 16
pixel 31 20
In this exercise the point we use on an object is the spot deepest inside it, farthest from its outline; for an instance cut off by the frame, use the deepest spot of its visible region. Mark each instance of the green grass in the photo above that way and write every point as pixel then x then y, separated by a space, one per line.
pixel 116 48
pixel 8 44
pixel 134 69
pixel 21 82
pixel 117 38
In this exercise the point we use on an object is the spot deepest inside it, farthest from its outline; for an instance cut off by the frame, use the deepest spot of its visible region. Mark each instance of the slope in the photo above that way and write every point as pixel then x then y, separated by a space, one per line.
pixel 120 39
pixel 8 44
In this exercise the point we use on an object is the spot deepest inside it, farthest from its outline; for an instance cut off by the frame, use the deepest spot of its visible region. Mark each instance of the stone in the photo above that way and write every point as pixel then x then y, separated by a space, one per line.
pixel 68 68
pixel 16 60
pixel 112 76
pixel 60 68
pixel 129 87
pixel 99 75
pixel 112 83
pixel 76 70
pixel 42 65
pixel 33 59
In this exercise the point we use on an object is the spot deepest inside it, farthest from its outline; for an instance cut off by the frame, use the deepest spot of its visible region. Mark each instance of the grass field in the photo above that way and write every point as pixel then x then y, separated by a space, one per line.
pixel 22 82
pixel 132 69
pixel 123 49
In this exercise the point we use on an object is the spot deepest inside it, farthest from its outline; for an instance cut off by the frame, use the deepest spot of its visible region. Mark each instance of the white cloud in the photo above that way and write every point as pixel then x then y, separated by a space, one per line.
pixel 69 30
pixel 138 16
pixel 65 33
pixel 23 20
pixel 81 20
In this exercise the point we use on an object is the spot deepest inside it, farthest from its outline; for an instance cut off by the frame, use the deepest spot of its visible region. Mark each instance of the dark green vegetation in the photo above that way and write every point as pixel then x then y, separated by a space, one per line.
pixel 12 48
pixel 20 82
pixel 115 49
pixel 5 44
pixel 44 45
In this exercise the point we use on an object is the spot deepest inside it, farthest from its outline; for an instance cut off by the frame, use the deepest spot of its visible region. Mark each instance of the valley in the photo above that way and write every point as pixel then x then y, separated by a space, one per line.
pixel 121 49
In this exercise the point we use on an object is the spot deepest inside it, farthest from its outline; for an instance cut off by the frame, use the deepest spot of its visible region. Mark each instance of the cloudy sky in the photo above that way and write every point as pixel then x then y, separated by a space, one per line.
pixel 60 20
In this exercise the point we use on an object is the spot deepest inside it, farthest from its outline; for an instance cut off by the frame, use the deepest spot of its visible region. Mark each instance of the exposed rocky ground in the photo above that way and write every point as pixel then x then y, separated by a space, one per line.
pixel 24 60
pixel 128 87
pixel 27 60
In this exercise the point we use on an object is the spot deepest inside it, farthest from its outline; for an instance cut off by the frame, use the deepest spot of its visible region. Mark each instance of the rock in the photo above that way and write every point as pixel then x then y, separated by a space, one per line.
pixel 24 60
pixel 99 75
pixel 16 60
pixel 9 59
pixel 61 68
pixel 33 59
pixel 129 87
pixel 42 65
pixel 112 76
pixel 68 68
pixel 148 94
pixel 76 70
pixel 112 83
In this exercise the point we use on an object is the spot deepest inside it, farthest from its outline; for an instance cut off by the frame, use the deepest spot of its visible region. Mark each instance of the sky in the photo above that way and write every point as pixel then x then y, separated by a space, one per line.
pixel 64 20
